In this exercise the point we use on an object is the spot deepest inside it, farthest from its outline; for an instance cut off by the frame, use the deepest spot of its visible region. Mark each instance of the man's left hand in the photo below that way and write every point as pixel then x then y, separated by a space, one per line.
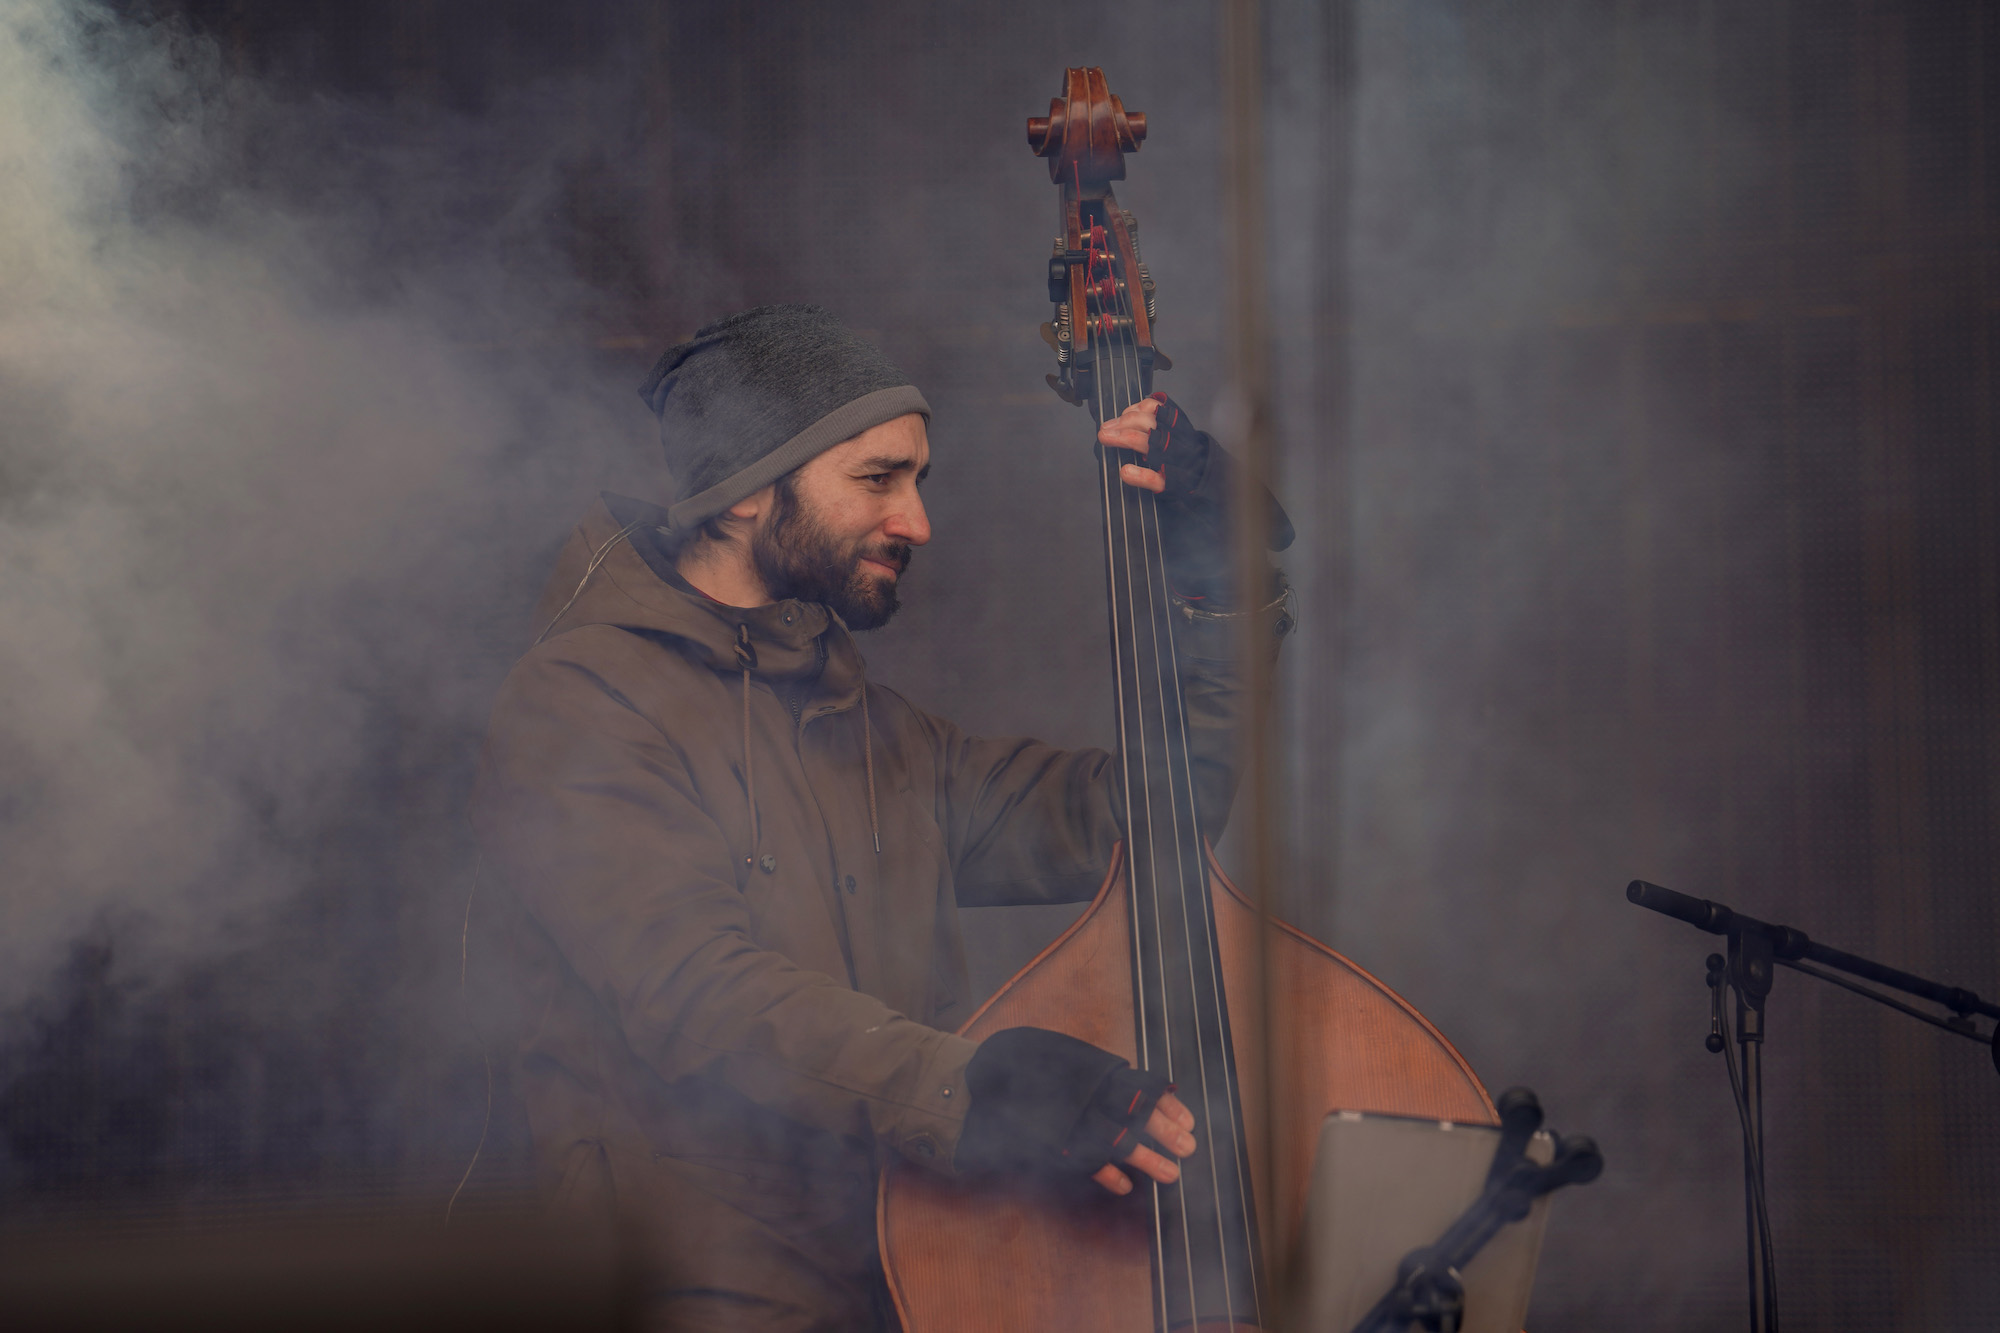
pixel 1133 429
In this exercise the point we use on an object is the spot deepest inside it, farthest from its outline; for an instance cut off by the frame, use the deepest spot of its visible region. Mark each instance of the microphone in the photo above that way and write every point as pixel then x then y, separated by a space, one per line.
pixel 1697 912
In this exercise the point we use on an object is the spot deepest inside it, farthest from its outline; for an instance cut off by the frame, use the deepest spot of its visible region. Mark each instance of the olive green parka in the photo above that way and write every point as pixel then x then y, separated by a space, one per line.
pixel 733 869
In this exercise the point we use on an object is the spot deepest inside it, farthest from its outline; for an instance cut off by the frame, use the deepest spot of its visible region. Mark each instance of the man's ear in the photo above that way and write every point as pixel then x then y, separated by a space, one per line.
pixel 752 506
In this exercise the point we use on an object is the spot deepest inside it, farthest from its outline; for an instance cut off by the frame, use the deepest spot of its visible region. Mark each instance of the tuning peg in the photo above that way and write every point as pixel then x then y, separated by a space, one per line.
pixel 1064 391
pixel 1049 336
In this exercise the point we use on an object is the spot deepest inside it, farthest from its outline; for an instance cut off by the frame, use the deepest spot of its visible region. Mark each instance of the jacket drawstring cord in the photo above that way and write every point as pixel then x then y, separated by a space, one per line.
pixel 597 558
pixel 746 657
pixel 868 761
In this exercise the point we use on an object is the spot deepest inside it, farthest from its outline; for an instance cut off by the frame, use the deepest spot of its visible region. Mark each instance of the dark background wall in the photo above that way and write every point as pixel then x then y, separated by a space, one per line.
pixel 1634 366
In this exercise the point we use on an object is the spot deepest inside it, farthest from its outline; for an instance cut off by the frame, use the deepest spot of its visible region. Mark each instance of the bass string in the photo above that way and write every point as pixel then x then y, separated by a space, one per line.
pixel 1131 382
pixel 1130 501
pixel 1136 742
pixel 1194 887
pixel 1123 563
pixel 1112 487
pixel 1166 672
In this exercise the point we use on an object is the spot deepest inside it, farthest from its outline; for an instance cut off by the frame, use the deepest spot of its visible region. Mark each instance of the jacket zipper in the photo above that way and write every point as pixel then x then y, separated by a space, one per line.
pixel 796 696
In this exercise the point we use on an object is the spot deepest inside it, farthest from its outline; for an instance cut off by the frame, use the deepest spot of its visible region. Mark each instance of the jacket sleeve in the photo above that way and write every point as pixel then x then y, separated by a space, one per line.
pixel 589 814
pixel 1029 823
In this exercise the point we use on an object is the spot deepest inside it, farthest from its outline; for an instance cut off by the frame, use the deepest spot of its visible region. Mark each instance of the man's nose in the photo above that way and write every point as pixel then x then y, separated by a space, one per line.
pixel 909 523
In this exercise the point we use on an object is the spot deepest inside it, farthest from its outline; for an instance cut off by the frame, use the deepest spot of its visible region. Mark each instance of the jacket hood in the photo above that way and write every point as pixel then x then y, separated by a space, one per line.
pixel 614 571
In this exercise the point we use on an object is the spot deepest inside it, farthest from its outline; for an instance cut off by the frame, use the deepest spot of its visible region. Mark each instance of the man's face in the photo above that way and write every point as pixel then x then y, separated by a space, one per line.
pixel 841 528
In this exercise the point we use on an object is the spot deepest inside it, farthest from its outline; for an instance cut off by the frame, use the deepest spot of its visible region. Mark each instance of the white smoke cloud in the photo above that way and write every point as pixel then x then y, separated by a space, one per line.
pixel 266 452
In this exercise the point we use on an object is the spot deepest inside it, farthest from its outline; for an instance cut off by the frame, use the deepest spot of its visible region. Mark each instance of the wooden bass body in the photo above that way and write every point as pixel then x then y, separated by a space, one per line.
pixel 972 1259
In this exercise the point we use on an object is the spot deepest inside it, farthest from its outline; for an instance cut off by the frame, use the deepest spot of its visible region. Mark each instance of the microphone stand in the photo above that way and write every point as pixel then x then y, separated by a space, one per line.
pixel 1755 947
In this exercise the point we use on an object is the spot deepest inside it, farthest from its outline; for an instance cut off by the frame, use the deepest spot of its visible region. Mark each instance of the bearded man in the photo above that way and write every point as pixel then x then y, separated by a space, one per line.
pixel 739 863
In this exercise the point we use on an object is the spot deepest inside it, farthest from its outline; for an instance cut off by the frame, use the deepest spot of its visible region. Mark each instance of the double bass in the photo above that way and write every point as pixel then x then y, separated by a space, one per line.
pixel 1165 965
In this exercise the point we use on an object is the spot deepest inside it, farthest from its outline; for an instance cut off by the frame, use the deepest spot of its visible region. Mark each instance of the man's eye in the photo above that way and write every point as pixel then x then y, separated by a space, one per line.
pixel 877 479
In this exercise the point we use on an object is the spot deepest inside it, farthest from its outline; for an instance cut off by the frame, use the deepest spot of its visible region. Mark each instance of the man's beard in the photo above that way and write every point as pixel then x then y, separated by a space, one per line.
pixel 799 559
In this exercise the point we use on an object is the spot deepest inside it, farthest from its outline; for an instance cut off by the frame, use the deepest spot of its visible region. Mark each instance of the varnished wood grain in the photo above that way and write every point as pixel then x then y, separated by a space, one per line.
pixel 997 1259
pixel 1003 1259
pixel 1346 1042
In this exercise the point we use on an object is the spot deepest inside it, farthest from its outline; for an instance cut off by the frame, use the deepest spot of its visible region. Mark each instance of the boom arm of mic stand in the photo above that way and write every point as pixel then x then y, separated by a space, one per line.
pixel 1788 946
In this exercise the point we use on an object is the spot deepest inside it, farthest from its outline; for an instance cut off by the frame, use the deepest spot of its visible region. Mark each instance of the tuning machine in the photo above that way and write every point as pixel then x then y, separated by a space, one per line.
pixel 1139 261
pixel 1058 334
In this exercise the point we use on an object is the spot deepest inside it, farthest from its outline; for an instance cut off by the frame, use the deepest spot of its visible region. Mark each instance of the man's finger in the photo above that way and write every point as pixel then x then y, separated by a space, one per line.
pixel 1112 1179
pixel 1131 429
pixel 1174 1109
pixel 1143 477
pixel 1154 1165
pixel 1145 414
pixel 1170 1134
pixel 1118 435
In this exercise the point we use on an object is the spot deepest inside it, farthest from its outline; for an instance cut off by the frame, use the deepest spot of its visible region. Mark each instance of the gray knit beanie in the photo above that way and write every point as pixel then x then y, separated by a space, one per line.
pixel 753 396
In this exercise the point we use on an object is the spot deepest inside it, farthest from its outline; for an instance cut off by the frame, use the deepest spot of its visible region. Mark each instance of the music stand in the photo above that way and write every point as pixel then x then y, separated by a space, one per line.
pixel 1387 1188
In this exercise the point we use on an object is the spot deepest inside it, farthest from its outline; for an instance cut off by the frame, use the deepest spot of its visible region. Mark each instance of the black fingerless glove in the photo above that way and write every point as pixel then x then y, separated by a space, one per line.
pixel 1198 506
pixel 1049 1105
